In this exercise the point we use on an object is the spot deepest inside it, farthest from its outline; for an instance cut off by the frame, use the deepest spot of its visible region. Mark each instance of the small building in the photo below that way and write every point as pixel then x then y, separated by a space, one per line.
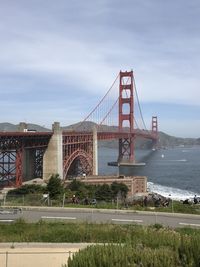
pixel 135 184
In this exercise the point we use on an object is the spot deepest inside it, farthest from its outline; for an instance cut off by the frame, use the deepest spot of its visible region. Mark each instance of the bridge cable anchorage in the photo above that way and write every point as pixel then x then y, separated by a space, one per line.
pixel 139 106
pixel 96 107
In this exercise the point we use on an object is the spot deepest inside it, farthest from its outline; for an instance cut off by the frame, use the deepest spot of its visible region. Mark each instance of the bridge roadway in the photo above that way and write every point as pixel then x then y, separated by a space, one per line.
pixel 102 135
pixel 13 140
pixel 34 214
pixel 106 135
pixel 125 134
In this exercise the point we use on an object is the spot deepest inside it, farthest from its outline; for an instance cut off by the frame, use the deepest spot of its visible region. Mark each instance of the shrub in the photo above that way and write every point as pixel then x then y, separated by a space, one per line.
pixel 120 255
pixel 27 189
pixel 54 187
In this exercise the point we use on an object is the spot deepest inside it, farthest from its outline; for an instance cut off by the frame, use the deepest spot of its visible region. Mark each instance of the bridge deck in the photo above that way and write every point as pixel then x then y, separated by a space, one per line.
pixel 24 134
pixel 115 135
pixel 14 140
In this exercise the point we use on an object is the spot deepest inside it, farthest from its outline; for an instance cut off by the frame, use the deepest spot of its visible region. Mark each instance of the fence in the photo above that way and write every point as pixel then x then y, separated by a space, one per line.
pixel 40 200
pixel 29 200
pixel 33 257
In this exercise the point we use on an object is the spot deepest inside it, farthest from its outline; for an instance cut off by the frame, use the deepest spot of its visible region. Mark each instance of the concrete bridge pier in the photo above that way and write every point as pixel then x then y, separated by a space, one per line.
pixel 53 156
pixel 22 127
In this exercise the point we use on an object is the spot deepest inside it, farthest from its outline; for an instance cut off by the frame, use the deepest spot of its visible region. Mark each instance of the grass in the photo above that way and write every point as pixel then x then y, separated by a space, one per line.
pixel 126 245
pixel 177 207
pixel 20 231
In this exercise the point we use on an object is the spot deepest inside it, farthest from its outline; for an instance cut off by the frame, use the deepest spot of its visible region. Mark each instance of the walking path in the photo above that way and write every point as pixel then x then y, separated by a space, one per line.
pixel 37 254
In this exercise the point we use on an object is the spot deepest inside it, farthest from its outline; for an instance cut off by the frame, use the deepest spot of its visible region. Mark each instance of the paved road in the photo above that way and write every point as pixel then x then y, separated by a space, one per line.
pixel 32 214
pixel 8 215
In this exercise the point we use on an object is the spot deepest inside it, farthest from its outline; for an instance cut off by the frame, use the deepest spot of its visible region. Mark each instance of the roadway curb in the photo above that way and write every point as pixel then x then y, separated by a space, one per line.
pixel 43 245
pixel 114 211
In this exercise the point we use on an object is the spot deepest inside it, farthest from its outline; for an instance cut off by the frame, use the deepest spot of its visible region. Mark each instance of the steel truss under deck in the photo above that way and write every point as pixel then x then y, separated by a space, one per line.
pixel 77 153
pixel 13 146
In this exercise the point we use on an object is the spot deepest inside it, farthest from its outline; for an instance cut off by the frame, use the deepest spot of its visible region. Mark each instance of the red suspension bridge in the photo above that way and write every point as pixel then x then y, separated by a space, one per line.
pixel 26 155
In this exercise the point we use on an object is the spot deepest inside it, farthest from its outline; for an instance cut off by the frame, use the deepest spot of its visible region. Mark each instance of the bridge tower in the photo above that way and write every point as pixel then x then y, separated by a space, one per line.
pixel 126 106
pixel 154 125
pixel 154 129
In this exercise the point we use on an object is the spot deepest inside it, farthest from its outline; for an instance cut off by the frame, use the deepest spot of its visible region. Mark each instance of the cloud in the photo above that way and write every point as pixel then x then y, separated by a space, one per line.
pixel 74 50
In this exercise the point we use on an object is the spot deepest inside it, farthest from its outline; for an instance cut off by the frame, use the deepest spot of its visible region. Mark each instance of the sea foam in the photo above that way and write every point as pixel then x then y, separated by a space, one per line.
pixel 171 192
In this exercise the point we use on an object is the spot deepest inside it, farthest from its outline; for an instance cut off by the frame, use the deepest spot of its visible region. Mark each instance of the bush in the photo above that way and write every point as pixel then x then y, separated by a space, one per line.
pixel 104 192
pixel 100 192
pixel 27 189
pixel 54 187
pixel 75 185
pixel 119 188
pixel 123 256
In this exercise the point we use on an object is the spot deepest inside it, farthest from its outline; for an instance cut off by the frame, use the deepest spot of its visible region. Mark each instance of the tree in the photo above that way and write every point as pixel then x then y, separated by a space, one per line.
pixel 54 186
pixel 103 192
pixel 75 185
pixel 119 188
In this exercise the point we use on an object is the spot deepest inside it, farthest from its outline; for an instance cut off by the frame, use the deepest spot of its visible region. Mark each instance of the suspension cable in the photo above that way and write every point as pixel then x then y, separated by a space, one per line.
pixel 108 113
pixel 139 105
pixel 102 98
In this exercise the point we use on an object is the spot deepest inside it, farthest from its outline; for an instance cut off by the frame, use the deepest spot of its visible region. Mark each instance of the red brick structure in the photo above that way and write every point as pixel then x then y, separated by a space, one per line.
pixel 135 184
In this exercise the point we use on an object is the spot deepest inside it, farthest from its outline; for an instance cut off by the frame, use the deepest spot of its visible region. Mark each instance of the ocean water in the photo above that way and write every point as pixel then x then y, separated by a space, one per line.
pixel 173 172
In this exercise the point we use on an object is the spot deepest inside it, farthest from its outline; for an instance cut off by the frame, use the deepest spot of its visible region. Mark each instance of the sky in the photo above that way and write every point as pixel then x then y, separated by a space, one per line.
pixel 58 59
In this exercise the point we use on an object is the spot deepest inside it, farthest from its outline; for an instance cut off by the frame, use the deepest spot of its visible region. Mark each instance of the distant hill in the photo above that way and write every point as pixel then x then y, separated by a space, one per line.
pixel 198 141
pixel 80 126
pixel 9 127
pixel 165 139
pixel 89 126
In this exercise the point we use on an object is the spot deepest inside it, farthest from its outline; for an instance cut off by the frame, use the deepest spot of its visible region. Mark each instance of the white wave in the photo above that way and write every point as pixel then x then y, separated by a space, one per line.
pixel 172 160
pixel 171 192
pixel 181 160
